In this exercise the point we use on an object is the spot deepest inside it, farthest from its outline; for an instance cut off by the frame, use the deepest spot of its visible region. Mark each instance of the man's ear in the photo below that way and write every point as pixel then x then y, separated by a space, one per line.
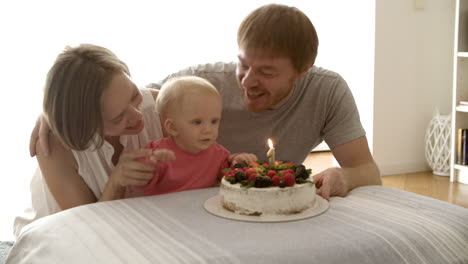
pixel 169 127
pixel 305 71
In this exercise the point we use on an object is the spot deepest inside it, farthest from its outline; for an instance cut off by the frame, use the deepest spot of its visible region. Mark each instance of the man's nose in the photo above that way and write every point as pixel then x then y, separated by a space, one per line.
pixel 249 79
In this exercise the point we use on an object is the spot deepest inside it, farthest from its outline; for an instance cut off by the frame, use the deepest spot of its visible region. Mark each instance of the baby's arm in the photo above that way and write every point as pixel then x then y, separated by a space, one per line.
pixel 162 155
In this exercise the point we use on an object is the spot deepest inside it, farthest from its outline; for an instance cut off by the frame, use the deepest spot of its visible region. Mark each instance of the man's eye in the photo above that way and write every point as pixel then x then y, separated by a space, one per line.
pixel 268 75
pixel 243 66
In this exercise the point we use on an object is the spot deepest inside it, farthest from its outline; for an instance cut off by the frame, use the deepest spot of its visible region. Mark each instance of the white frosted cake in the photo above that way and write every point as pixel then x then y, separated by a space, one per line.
pixel 258 189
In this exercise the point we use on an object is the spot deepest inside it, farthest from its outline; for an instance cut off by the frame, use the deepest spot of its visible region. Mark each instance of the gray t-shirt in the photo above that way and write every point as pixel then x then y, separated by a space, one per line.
pixel 321 107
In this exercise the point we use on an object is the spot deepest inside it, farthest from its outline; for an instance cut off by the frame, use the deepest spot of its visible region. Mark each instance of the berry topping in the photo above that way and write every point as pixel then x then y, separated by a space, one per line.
pixel 275 179
pixel 289 179
pixel 240 176
pixel 263 181
pixel 271 173
pixel 260 175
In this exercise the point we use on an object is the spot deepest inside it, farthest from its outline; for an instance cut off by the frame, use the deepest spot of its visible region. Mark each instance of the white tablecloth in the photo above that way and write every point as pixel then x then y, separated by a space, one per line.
pixel 373 224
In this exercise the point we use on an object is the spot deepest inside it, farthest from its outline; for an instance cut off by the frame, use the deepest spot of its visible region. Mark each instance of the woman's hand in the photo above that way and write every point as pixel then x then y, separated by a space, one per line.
pixel 136 167
pixel 40 135
pixel 132 170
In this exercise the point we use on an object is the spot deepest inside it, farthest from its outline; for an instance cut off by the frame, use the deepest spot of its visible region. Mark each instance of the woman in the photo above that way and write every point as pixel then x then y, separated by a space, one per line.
pixel 99 121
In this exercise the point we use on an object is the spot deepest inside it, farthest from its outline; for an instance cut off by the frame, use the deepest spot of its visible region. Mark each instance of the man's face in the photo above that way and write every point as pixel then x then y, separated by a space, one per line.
pixel 265 82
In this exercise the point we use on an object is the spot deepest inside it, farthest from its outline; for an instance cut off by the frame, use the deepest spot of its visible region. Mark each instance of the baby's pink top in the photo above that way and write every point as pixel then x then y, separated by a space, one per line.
pixel 188 171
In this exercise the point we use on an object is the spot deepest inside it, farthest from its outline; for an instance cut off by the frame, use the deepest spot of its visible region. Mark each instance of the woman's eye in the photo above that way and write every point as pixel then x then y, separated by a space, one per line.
pixel 117 121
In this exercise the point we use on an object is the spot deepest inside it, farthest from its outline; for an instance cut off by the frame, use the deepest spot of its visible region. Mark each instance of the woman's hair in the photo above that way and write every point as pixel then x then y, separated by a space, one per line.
pixel 73 90
pixel 174 90
pixel 278 30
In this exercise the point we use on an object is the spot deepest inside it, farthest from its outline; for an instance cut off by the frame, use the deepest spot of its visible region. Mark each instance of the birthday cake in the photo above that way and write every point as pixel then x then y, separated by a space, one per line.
pixel 260 189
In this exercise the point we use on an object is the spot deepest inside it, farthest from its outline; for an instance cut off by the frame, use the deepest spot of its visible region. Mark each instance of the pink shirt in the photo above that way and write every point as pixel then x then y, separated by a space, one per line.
pixel 188 171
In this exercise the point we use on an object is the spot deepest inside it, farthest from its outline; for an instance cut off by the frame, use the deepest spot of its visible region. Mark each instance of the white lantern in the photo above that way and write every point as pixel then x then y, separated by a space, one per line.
pixel 438 144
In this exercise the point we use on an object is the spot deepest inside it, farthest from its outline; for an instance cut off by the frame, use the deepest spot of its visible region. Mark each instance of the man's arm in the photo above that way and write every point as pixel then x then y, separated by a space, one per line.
pixel 358 168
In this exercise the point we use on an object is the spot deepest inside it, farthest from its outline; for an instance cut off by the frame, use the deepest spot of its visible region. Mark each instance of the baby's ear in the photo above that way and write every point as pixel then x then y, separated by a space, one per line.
pixel 169 127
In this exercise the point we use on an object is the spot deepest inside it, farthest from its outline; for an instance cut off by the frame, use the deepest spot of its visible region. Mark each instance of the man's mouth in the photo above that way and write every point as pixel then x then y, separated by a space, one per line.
pixel 254 95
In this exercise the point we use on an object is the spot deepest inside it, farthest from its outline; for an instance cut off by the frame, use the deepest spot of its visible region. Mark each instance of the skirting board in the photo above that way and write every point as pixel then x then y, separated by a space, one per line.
pixel 461 174
pixel 391 169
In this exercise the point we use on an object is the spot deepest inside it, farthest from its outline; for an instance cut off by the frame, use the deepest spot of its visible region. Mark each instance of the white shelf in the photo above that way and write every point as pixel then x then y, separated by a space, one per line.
pixel 462 108
pixel 460 167
pixel 459 173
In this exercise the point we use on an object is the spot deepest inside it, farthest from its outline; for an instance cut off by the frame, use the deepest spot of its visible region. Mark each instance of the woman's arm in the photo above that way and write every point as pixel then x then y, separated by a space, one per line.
pixel 60 172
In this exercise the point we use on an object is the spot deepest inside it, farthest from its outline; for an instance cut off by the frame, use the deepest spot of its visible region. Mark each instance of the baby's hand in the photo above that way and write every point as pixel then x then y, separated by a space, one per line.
pixel 162 155
pixel 239 157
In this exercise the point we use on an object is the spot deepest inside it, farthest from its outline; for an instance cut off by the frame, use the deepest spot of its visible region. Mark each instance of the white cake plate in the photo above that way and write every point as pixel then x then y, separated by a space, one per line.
pixel 213 206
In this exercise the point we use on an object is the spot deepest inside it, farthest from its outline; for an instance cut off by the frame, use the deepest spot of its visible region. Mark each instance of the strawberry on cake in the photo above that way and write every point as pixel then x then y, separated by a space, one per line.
pixel 261 189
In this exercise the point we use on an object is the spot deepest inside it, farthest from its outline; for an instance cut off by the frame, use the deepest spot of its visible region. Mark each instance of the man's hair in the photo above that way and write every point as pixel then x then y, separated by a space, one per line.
pixel 174 90
pixel 278 30
pixel 73 91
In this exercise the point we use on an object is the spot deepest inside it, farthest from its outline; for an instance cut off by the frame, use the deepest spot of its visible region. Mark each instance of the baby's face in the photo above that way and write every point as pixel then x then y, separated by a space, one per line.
pixel 196 122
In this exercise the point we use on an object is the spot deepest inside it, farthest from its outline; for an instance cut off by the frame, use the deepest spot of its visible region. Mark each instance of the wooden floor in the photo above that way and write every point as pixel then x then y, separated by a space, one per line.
pixel 423 183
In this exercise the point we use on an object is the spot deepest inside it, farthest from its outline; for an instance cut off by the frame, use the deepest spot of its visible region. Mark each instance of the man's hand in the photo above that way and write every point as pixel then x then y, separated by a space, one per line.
pixel 358 169
pixel 331 182
pixel 40 133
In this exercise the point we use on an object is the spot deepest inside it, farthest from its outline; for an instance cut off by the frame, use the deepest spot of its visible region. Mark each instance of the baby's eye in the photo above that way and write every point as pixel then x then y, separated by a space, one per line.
pixel 214 121
pixel 196 122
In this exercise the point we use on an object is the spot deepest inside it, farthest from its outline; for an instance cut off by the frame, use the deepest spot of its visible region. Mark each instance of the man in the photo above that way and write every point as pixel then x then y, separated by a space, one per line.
pixel 275 91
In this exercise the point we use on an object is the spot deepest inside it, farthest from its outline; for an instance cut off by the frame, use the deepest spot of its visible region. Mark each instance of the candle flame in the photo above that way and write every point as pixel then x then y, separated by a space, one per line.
pixel 270 143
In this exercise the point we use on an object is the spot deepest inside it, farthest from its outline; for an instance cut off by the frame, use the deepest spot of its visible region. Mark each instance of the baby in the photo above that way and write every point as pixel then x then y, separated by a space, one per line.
pixel 189 156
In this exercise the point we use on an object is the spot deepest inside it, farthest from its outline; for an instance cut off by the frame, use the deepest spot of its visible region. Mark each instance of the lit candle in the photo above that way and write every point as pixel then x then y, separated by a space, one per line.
pixel 271 153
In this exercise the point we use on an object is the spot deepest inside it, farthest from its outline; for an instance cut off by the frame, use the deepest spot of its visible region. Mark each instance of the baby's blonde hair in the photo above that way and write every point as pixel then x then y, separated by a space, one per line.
pixel 176 89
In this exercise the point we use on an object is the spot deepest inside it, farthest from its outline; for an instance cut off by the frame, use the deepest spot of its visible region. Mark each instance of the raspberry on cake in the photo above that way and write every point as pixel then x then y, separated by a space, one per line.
pixel 258 189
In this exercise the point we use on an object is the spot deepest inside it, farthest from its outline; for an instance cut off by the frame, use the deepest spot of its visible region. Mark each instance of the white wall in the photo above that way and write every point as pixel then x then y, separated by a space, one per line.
pixel 154 38
pixel 413 77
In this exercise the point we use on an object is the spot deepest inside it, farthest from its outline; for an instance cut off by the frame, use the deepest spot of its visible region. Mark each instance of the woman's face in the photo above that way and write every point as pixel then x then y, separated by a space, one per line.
pixel 120 107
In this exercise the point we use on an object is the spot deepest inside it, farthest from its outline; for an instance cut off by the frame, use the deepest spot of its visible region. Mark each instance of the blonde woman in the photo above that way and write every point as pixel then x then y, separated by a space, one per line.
pixel 99 121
